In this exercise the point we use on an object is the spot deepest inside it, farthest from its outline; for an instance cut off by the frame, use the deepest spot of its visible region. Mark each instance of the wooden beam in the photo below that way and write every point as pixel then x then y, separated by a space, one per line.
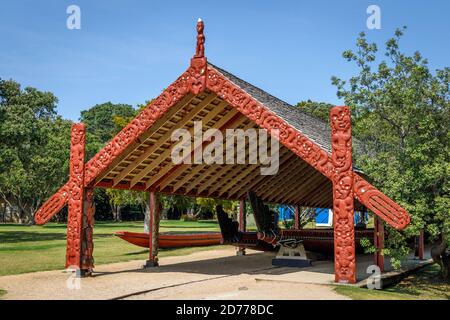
pixel 255 177
pixel 378 239
pixel 287 177
pixel 302 187
pixel 154 218
pixel 165 154
pixel 145 154
pixel 291 182
pixel 226 170
pixel 297 217
pixel 196 169
pixel 227 121
pixel 242 224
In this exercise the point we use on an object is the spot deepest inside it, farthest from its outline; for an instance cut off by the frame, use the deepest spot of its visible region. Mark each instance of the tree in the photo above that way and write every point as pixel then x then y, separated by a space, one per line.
pixel 34 148
pixel 320 110
pixel 99 119
pixel 401 116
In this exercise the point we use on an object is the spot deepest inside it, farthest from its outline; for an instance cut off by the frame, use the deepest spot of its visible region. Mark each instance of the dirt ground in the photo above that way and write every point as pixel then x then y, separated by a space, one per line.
pixel 216 274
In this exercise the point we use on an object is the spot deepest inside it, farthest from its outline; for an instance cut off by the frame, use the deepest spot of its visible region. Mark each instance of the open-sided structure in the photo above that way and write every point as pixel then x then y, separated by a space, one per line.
pixel 315 163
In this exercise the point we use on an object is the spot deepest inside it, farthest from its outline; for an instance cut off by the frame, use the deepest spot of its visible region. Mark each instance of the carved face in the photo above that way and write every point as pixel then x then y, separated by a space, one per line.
pixel 345 186
pixel 339 119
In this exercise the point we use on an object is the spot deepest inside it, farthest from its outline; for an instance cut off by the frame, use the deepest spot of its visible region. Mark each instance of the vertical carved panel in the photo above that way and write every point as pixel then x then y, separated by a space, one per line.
pixel 342 178
pixel 87 244
pixel 76 194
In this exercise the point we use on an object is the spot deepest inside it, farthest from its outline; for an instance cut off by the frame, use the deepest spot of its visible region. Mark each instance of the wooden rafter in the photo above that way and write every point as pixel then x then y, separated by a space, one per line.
pixel 227 121
pixel 255 177
pixel 165 153
pixel 194 170
pixel 147 152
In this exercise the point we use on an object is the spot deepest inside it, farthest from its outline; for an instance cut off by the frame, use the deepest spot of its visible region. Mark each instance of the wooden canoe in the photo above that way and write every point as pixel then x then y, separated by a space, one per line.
pixel 170 240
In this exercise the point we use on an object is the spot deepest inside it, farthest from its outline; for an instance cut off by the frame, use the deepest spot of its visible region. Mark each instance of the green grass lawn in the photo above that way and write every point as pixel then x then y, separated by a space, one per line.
pixel 424 284
pixel 38 248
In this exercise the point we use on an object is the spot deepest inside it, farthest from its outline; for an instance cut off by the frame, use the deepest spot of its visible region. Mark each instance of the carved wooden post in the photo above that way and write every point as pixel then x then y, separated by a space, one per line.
pixel 297 217
pixel 242 224
pixel 76 195
pixel 155 212
pixel 342 178
pixel 378 239
pixel 87 244
pixel 421 245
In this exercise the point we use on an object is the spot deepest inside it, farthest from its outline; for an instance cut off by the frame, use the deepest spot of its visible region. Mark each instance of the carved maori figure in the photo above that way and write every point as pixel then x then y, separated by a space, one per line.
pixel 344 234
pixel 76 193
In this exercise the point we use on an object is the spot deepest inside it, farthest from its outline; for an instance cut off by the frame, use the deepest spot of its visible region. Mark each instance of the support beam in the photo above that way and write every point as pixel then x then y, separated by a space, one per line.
pixel 242 224
pixel 297 217
pixel 155 212
pixel 87 243
pixel 378 241
pixel 343 204
pixel 421 245
pixel 76 195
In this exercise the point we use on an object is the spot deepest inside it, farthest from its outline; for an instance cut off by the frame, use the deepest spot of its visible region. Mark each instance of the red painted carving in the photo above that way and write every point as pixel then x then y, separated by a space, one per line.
pixel 87 244
pixel 344 232
pixel 53 205
pixel 380 204
pixel 200 48
pixel 75 215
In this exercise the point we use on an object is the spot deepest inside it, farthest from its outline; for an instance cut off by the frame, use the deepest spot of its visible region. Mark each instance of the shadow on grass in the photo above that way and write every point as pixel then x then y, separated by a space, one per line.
pixel 27 236
pixel 427 281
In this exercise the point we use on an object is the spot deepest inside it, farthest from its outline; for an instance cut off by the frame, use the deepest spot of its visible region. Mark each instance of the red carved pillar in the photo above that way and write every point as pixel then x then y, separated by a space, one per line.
pixel 378 240
pixel 297 217
pixel 154 216
pixel 87 244
pixel 76 195
pixel 242 224
pixel 342 178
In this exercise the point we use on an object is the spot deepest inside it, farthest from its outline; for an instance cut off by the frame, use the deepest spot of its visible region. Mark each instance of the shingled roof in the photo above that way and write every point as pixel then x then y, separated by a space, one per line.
pixel 312 127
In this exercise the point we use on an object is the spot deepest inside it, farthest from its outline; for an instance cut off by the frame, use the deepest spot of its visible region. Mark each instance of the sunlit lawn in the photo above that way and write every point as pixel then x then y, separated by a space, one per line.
pixel 424 285
pixel 38 248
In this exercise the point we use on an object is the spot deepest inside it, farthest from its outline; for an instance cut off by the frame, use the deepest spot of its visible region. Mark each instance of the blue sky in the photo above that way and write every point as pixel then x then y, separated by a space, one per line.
pixel 128 51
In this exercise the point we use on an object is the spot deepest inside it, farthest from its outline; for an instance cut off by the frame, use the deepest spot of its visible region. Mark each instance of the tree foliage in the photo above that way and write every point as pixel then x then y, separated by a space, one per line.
pixel 34 148
pixel 400 113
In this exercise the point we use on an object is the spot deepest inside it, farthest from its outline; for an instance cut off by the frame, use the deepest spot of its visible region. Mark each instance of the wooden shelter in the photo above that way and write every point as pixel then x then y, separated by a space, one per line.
pixel 315 162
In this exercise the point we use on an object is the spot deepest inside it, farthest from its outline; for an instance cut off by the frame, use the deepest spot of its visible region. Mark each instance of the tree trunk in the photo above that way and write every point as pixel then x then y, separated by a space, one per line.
pixel 146 217
pixel 116 212
pixel 441 256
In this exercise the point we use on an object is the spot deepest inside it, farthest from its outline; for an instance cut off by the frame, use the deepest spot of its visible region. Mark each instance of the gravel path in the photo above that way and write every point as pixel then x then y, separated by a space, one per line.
pixel 216 274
